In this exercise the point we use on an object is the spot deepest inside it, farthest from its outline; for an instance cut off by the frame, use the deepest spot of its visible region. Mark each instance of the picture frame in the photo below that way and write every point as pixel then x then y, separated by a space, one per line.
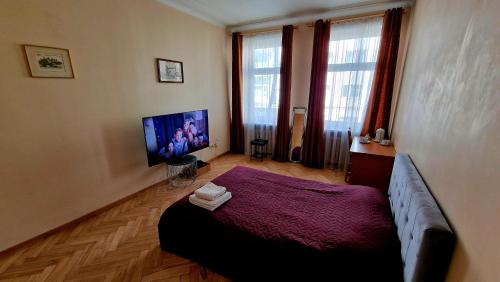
pixel 170 71
pixel 48 62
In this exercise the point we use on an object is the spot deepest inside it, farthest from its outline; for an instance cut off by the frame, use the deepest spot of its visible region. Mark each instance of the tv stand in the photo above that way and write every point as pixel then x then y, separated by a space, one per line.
pixel 182 171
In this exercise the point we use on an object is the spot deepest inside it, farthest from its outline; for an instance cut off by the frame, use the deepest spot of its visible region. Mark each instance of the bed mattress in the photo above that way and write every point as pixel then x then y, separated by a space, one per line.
pixel 285 228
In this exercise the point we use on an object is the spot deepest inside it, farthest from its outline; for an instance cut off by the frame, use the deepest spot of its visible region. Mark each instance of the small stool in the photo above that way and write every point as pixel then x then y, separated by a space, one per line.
pixel 258 149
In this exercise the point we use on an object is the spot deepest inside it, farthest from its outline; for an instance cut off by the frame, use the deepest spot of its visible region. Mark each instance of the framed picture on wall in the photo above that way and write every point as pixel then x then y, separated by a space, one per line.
pixel 170 71
pixel 48 62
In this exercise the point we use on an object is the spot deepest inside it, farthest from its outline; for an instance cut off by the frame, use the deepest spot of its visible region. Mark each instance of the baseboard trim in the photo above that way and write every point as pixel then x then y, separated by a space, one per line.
pixel 78 220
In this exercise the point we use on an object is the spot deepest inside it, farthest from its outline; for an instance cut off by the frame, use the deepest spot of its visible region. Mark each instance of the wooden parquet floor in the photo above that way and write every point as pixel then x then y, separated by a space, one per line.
pixel 121 243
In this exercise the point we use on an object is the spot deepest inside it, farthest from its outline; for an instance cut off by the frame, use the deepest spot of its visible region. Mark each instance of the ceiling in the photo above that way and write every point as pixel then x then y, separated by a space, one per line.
pixel 232 13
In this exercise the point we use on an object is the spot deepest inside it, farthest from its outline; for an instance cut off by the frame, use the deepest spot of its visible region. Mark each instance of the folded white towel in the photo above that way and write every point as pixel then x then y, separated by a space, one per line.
pixel 210 191
pixel 209 205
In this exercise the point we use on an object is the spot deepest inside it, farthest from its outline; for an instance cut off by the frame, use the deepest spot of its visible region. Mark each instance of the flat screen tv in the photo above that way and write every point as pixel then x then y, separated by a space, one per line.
pixel 169 137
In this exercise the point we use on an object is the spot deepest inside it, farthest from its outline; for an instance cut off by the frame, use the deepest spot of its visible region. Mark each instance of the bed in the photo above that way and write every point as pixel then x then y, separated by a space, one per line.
pixel 282 228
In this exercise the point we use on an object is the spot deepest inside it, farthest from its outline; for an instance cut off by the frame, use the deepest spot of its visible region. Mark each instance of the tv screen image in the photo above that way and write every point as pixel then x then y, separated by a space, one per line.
pixel 169 137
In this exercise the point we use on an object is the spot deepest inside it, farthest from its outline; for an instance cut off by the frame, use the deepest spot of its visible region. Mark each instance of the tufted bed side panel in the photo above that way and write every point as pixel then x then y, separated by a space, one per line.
pixel 427 241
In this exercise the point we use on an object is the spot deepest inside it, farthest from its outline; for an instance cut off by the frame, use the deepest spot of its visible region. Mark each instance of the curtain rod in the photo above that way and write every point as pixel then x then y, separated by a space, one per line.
pixel 359 18
pixel 333 21
pixel 351 19
pixel 267 30
pixel 356 18
pixel 341 11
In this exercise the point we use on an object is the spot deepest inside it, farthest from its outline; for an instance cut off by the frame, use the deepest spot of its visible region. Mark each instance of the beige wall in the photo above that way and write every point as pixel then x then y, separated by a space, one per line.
pixel 71 146
pixel 301 65
pixel 448 120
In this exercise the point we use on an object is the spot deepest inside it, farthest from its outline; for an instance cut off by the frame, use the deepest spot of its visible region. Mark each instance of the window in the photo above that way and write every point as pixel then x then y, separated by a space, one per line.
pixel 261 78
pixel 353 51
pixel 351 90
pixel 353 56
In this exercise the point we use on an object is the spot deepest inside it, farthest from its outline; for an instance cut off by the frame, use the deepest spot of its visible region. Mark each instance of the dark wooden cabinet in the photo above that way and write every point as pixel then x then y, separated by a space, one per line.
pixel 371 164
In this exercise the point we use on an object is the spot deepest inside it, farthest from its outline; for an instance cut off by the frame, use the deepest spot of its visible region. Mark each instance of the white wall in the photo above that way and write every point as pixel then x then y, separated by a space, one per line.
pixel 71 146
pixel 448 120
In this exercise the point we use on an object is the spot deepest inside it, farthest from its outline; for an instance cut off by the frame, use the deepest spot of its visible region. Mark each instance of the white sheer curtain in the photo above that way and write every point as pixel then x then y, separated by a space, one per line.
pixel 261 80
pixel 352 56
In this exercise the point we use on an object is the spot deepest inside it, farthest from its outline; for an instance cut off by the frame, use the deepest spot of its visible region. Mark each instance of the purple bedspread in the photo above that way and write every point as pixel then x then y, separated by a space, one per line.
pixel 287 228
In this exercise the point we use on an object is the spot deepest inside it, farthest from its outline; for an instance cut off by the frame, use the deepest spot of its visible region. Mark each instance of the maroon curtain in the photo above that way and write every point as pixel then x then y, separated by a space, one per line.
pixel 313 146
pixel 378 112
pixel 237 140
pixel 282 141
